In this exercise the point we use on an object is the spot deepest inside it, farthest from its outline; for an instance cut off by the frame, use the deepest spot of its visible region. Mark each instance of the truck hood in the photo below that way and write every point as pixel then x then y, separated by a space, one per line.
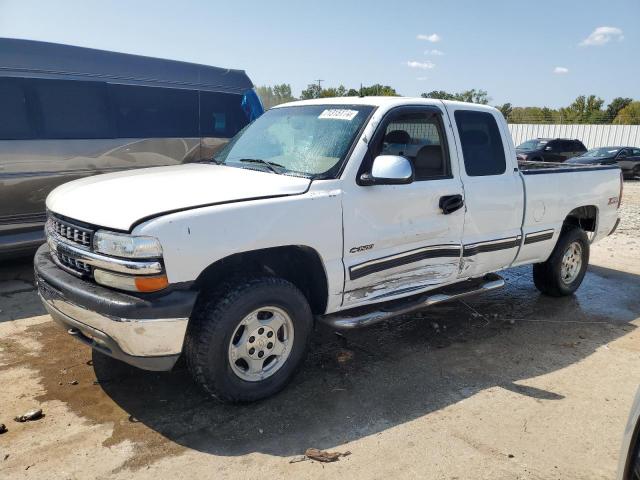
pixel 119 200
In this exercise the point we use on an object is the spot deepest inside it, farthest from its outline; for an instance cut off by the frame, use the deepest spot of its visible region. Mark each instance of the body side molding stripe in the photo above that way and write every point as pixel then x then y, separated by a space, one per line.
pixel 540 236
pixel 393 261
pixel 491 246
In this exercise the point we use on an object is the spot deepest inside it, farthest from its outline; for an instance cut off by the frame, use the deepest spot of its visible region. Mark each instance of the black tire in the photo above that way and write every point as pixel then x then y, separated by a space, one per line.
pixel 215 320
pixel 547 276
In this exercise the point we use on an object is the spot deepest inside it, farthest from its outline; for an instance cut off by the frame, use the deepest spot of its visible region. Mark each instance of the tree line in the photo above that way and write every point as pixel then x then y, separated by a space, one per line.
pixel 587 109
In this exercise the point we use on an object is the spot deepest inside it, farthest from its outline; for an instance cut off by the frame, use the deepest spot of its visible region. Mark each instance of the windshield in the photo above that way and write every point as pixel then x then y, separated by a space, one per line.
pixel 601 152
pixel 531 145
pixel 310 140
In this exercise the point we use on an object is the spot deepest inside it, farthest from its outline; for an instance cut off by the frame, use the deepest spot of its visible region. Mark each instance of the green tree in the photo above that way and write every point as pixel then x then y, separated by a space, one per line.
pixel 505 109
pixel 584 110
pixel 313 90
pixel 379 91
pixel 471 96
pixel 474 96
pixel 270 96
pixel 629 115
pixel 439 94
pixel 341 91
pixel 615 106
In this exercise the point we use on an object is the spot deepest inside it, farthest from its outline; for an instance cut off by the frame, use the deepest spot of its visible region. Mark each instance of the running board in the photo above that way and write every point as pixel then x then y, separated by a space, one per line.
pixel 365 316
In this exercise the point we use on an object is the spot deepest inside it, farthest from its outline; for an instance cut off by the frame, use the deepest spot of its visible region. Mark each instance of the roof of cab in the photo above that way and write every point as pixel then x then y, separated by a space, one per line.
pixel 33 59
pixel 384 102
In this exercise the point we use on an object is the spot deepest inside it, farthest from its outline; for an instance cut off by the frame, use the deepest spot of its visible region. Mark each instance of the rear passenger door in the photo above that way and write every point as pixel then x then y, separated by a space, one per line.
pixel 493 192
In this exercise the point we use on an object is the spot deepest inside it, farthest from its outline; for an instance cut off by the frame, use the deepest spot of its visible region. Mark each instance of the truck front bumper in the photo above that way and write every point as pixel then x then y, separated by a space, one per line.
pixel 145 331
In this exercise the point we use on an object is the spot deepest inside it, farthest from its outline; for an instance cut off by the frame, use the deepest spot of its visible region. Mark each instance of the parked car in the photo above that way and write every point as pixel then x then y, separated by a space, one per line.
pixel 629 162
pixel 549 150
pixel 628 158
pixel 69 112
pixel 629 463
pixel 347 211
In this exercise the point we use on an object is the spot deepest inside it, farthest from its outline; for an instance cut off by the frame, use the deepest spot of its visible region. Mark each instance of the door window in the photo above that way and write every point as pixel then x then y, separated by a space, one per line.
pixel 482 147
pixel 419 137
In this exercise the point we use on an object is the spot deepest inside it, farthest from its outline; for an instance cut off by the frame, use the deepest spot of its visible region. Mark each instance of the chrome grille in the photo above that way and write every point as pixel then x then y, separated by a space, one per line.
pixel 73 233
pixel 73 263
pixel 62 232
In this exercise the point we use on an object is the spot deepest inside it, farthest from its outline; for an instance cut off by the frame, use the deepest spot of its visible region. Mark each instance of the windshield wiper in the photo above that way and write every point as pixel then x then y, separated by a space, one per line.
pixel 270 165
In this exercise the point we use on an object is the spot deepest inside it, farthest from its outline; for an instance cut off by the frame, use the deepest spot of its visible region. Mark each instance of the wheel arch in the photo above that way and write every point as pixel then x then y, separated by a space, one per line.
pixel 298 264
pixel 584 217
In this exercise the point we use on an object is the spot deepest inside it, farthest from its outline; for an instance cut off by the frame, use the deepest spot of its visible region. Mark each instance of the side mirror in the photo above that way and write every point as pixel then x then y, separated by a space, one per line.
pixel 389 170
pixel 547 149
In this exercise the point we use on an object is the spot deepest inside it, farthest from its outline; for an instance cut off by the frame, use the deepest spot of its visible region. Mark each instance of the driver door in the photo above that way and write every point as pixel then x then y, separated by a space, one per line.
pixel 397 240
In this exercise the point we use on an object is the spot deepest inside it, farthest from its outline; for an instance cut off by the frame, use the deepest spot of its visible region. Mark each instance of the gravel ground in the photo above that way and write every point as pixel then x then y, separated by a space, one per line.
pixel 508 385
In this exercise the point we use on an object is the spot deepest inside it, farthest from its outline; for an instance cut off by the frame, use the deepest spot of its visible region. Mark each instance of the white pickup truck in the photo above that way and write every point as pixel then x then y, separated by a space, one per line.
pixel 346 211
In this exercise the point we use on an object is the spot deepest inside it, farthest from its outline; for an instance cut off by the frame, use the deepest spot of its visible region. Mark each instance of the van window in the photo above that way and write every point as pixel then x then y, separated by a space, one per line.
pixel 14 118
pixel 71 109
pixel 152 112
pixel 221 114
pixel 481 143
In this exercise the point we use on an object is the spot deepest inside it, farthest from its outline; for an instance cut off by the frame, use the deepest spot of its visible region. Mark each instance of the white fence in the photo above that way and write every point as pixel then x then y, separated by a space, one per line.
pixel 591 135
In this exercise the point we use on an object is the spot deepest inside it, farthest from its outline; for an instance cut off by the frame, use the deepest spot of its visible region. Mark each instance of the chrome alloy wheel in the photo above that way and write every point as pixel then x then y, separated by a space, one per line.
pixel 261 344
pixel 571 263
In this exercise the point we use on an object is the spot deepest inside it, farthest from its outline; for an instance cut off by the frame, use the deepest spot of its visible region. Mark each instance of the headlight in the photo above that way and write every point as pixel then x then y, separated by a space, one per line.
pixel 123 245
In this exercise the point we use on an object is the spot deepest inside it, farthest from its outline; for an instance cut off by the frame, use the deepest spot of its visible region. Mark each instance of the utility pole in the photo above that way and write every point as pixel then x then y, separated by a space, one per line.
pixel 319 86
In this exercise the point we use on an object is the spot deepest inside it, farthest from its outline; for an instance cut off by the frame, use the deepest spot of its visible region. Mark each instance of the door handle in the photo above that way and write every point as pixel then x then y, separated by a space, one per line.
pixel 450 203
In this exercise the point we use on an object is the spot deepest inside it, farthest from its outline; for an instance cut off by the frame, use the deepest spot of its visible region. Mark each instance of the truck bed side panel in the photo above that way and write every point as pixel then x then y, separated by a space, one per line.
pixel 552 195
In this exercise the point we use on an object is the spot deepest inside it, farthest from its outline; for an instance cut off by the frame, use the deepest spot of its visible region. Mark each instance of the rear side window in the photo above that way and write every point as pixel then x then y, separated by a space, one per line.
pixel 152 112
pixel 71 109
pixel 481 143
pixel 14 118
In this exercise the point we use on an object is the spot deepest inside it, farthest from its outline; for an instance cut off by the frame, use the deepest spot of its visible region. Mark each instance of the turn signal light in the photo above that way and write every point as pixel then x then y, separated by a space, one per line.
pixel 151 284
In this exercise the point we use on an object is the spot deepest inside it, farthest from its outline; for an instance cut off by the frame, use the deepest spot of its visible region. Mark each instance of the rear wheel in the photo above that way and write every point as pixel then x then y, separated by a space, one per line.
pixel 247 340
pixel 565 269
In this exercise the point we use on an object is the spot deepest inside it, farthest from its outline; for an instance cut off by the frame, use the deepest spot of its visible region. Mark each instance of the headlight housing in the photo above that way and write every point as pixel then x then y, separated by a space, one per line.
pixel 128 246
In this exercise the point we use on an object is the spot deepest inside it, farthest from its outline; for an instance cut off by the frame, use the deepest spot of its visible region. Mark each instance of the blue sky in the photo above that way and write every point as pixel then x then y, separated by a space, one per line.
pixel 524 52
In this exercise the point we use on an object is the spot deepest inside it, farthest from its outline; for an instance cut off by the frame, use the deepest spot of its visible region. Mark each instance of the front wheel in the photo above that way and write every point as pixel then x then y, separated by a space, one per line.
pixel 247 340
pixel 564 270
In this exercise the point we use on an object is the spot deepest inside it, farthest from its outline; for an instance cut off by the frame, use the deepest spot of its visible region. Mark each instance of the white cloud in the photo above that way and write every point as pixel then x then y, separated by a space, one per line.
pixel 602 35
pixel 561 70
pixel 420 65
pixel 435 52
pixel 433 38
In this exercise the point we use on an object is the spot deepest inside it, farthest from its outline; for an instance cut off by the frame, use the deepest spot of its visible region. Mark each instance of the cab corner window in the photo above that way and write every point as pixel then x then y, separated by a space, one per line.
pixel 418 137
pixel 481 143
